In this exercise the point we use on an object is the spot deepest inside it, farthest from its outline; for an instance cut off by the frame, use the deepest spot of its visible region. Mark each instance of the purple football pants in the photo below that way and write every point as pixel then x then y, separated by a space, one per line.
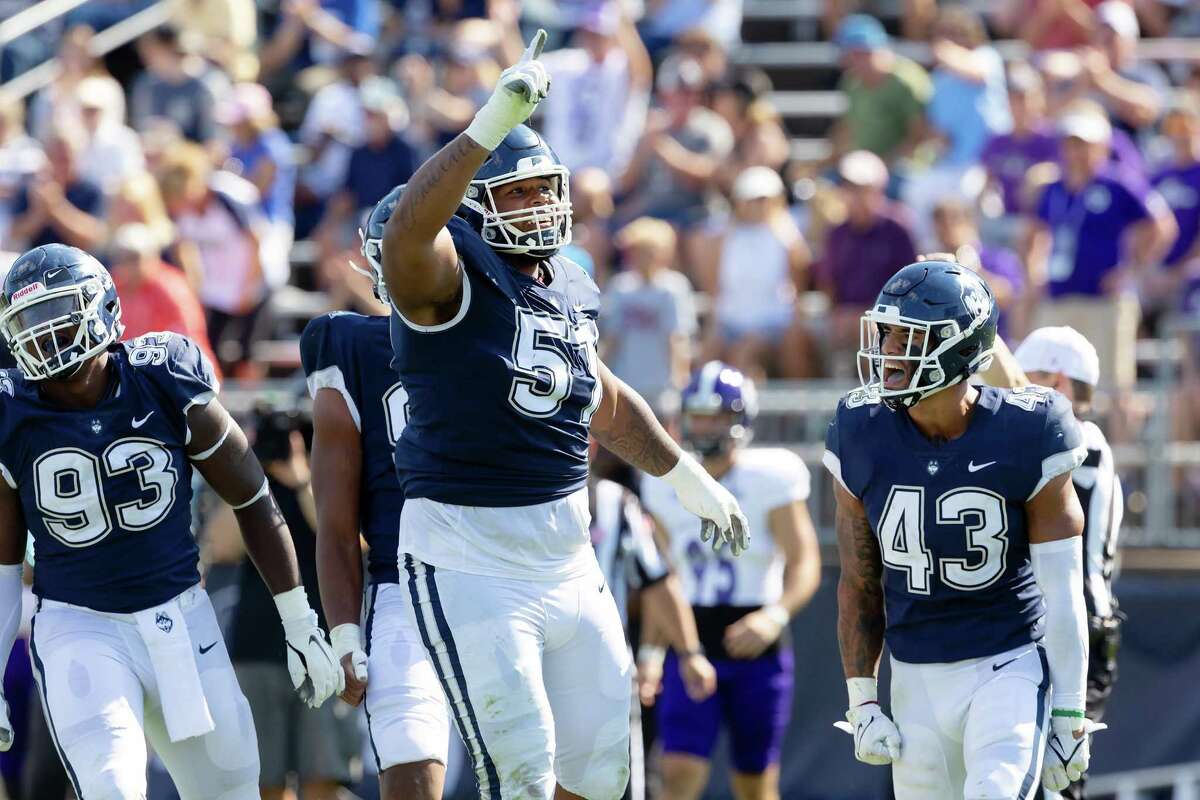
pixel 753 698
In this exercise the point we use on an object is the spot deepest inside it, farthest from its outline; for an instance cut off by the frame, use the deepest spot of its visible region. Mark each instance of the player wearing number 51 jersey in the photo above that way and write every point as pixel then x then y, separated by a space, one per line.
pixel 959 533
pixel 97 444
pixel 494 337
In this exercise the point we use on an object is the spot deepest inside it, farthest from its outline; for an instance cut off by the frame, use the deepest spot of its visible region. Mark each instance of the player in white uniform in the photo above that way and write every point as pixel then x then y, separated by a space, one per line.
pixel 742 607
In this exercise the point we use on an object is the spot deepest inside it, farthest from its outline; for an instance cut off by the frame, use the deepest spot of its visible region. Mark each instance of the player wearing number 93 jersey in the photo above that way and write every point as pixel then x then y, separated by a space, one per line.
pixel 494 338
pixel 958 525
pixel 97 443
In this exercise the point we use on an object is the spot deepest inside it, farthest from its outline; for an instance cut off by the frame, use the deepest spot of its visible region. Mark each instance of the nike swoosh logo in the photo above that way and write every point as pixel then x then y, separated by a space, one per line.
pixel 973 467
pixel 204 649
pixel 998 667
pixel 53 273
pixel 137 423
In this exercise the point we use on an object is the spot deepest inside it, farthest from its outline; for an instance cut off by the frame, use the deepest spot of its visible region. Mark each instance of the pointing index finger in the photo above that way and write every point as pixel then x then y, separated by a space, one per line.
pixel 535 46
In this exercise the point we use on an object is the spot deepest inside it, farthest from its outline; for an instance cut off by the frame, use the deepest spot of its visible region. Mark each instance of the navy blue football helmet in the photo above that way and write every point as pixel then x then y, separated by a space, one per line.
pixel 523 154
pixel 718 389
pixel 58 309
pixel 372 239
pixel 950 317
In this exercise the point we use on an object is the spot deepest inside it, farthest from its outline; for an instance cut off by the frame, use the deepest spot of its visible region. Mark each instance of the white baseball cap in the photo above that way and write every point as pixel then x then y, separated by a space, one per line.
pixel 1060 349
pixel 757 182
pixel 1119 16
pixel 1090 126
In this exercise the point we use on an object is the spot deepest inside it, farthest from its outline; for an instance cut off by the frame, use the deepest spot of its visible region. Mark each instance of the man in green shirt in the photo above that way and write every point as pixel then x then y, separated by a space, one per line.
pixel 887 93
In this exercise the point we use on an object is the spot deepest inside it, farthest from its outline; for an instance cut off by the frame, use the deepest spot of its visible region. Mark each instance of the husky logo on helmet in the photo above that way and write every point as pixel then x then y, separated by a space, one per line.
pixel 538 231
pixel 58 308
pixel 946 316
pixel 371 235
pixel 718 390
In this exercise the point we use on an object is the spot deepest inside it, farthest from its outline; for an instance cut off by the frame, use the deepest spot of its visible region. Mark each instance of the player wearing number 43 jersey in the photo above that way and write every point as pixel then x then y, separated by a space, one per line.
pixel 959 532
pixel 359 409
pixel 97 444
pixel 494 338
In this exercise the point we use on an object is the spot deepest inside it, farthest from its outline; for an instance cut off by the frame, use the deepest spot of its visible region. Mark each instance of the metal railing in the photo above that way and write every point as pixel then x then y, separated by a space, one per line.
pixel 102 43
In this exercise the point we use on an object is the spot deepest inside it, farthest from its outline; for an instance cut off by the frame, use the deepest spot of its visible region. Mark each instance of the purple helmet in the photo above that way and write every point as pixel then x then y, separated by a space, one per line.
pixel 717 388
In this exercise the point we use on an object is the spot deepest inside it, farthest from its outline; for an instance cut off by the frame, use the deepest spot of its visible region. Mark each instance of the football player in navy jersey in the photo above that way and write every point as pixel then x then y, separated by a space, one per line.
pixel 359 409
pixel 959 533
pixel 494 339
pixel 97 444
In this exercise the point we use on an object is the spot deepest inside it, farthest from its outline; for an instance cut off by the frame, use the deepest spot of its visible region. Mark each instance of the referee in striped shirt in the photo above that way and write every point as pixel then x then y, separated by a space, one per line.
pixel 630 560
pixel 1061 358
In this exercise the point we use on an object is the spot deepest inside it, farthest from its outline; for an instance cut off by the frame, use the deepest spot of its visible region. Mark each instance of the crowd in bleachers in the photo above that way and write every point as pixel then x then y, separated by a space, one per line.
pixel 233 152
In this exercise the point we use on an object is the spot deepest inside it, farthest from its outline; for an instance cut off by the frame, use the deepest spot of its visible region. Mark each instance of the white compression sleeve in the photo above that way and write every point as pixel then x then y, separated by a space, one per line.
pixel 1058 570
pixel 10 610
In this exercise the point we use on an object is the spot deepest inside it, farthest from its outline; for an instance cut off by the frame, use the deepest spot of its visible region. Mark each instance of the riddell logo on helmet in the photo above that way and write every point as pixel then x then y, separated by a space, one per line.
pixel 25 291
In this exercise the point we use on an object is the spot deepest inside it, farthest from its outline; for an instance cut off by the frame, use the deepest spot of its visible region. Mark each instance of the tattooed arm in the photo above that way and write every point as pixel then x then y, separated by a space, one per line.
pixel 420 263
pixel 860 588
pixel 625 426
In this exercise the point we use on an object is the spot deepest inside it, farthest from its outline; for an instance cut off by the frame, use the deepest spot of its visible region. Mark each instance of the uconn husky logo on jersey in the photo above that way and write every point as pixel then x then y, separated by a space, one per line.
pixel 520 361
pixel 347 352
pixel 950 518
pixel 107 490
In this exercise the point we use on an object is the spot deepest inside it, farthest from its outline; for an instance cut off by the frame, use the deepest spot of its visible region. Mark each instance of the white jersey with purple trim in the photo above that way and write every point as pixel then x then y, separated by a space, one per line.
pixel 762 479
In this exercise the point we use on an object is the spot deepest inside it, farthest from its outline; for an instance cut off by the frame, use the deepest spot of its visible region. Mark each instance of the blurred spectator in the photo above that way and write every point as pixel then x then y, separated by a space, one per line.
pixel 591 210
pixel 138 200
pixel 167 90
pixel 665 20
pixel 262 154
pixel 706 50
pixel 296 742
pixel 1048 24
pixel 111 150
pixel 958 233
pixel 218 214
pixel 865 250
pixel 384 160
pixel 887 94
pixel 597 111
pixel 648 317
pixel 670 175
pixel 226 31
pixel 1130 89
pixel 759 263
pixel 1179 181
pixel 58 205
pixel 759 138
pixel 21 158
pixel 1008 157
pixel 1097 234
pixel 968 106
pixel 916 16
pixel 315 32
pixel 333 126
pixel 154 296
pixel 56 105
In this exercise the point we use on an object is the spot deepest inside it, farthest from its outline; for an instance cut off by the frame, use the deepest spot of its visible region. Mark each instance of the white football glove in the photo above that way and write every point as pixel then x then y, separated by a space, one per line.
pixel 520 88
pixel 876 737
pixel 722 517
pixel 1067 757
pixel 316 674
pixel 345 639
pixel 6 728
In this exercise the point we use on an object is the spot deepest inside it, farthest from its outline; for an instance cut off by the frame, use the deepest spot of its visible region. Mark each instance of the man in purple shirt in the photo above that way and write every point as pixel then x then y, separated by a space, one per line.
pixel 866 249
pixel 1095 234
pixel 1179 181
pixel 1033 140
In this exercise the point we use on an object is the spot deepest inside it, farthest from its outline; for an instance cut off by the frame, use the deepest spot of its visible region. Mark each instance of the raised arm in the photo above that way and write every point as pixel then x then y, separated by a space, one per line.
pixel 219 450
pixel 336 475
pixel 420 263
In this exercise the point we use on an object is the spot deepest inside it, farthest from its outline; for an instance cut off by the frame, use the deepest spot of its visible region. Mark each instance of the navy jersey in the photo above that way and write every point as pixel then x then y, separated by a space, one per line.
pixel 950 518
pixel 107 491
pixel 349 353
pixel 500 397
